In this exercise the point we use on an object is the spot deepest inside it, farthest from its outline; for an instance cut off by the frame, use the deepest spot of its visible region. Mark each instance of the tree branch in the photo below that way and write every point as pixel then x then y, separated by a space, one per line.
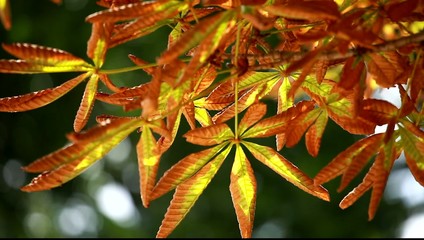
pixel 283 57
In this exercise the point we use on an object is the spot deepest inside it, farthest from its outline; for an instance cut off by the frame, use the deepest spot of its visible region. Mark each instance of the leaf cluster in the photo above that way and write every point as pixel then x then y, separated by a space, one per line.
pixel 322 61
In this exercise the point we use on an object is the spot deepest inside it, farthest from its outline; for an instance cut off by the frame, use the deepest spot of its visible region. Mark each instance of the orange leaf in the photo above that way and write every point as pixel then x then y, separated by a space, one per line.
pixel 87 103
pixel 351 73
pixel 341 163
pixel 286 169
pixel 416 168
pixel 184 169
pixel 187 193
pixel 148 162
pixel 210 135
pixel 44 55
pixel 5 14
pixel 253 114
pixel 243 192
pixel 304 9
pixel 130 11
pixel 97 45
pixel 38 99
pixel 314 134
pixel 386 68
pixel 299 126
pixel 378 111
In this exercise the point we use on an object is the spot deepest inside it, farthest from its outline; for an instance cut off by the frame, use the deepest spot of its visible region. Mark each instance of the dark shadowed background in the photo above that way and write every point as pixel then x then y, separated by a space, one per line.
pixel 104 201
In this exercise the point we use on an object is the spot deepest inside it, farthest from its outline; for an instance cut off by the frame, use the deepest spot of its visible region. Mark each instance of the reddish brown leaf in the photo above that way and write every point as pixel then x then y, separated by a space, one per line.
pixel 253 114
pixel 243 192
pixel 386 68
pixel 210 135
pixel 98 43
pixel 87 103
pixel 398 10
pixel 39 99
pixel 340 164
pixel 415 167
pixel 187 193
pixel 303 9
pixel 299 126
pixel 148 156
pixel 43 55
pixel 130 11
pixel 352 73
pixel 378 111
pixel 314 134
pixel 185 169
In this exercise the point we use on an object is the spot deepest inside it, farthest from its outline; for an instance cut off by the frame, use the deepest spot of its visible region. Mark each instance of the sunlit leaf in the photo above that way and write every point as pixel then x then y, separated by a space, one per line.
pixel 187 193
pixel 5 17
pixel 195 35
pixel 286 169
pixel 87 103
pixel 314 134
pixel 148 163
pixel 38 99
pixel 277 123
pixel 243 192
pixel 185 169
pixel 347 161
pixel 210 135
pixel 42 55
pixel 303 9
pixel 97 45
pixel 253 114
pixel 68 162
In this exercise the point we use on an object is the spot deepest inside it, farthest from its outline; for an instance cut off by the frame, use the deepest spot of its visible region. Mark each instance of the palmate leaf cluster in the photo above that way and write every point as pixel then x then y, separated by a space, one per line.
pixel 321 60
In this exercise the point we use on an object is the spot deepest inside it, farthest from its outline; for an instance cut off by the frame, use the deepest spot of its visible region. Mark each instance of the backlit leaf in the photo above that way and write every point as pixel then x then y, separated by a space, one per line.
pixel 246 100
pixel 314 134
pixel 277 123
pixel 38 99
pixel 68 162
pixel 343 161
pixel 97 45
pixel 130 11
pixel 195 35
pixel 41 55
pixel 87 103
pixel 148 162
pixel 286 169
pixel 5 17
pixel 187 193
pixel 243 192
pixel 185 169
pixel 253 114
pixel 303 9
pixel 210 135
pixel 25 67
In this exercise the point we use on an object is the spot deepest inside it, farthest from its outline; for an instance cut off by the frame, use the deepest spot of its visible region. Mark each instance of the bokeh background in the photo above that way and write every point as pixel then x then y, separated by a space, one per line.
pixel 104 201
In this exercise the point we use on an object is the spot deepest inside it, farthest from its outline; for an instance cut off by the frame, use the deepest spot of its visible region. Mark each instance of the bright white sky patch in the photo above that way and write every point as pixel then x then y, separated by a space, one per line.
pixel 116 203
pixel 389 94
pixel 120 152
pixel 413 227
pixel 77 219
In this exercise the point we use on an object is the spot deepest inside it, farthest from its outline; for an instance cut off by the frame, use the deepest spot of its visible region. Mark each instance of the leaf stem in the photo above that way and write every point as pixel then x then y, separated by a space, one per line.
pixel 236 83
